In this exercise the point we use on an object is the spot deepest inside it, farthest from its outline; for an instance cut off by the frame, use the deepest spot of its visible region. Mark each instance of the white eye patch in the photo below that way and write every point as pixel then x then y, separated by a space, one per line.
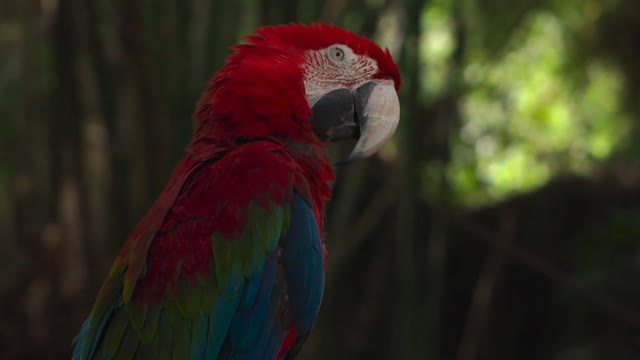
pixel 335 67
pixel 340 54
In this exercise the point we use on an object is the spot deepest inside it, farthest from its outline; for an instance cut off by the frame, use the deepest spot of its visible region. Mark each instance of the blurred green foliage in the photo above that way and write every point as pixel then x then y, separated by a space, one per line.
pixel 528 114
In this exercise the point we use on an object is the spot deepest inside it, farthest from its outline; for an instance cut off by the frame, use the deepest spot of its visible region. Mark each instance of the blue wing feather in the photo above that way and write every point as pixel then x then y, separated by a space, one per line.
pixel 303 261
pixel 81 337
pixel 248 321
pixel 257 331
pixel 199 333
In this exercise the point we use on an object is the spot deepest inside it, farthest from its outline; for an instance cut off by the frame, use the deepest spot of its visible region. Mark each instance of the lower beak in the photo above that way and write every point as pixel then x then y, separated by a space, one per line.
pixel 369 113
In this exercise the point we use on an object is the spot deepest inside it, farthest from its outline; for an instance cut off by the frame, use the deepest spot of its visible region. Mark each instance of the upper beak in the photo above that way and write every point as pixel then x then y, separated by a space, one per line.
pixel 369 113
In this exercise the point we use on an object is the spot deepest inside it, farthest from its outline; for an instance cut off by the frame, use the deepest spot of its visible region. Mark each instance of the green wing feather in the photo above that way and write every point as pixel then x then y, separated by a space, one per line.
pixel 194 317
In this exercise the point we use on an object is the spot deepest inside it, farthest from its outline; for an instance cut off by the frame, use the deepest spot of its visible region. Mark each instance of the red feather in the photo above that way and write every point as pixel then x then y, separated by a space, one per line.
pixel 253 108
pixel 182 244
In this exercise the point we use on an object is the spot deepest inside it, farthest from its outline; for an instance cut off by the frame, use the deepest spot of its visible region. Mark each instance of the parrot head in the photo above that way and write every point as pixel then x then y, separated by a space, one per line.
pixel 303 84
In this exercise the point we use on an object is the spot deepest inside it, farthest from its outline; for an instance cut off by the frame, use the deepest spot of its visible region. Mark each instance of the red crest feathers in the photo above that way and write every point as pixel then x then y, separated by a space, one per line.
pixel 319 35
pixel 260 91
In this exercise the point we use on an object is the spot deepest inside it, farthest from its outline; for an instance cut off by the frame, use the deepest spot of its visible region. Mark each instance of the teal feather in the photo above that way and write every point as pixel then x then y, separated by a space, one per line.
pixel 91 332
pixel 254 309
pixel 199 336
pixel 219 323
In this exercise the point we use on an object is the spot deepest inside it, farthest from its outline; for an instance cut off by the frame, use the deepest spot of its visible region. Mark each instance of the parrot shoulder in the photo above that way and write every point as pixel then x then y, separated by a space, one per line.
pixel 205 258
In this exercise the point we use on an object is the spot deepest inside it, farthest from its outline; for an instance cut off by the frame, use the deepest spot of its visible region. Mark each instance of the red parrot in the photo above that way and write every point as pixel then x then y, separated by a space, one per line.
pixel 229 261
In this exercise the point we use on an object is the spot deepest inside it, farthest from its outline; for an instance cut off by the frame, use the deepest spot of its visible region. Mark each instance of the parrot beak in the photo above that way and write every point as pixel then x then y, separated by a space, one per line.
pixel 369 113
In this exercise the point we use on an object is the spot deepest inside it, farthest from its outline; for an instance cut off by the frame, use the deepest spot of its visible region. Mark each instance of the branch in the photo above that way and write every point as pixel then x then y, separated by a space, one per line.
pixel 622 312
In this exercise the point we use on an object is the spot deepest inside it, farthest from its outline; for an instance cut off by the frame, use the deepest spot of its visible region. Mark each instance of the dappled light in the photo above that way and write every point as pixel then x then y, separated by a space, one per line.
pixel 526 119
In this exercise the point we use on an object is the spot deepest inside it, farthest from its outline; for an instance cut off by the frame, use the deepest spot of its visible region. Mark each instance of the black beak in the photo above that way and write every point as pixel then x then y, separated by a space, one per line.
pixel 369 113
pixel 334 117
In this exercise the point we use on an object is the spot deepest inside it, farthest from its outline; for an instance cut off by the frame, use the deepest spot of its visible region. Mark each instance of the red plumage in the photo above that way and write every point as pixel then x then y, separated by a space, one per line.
pixel 214 199
pixel 253 143
pixel 247 99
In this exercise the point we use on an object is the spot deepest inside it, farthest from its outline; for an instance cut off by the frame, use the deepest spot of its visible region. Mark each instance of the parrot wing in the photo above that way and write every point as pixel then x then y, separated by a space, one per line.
pixel 234 262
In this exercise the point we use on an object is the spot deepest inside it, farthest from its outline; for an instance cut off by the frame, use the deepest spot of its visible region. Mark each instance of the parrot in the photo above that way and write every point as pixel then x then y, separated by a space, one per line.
pixel 230 261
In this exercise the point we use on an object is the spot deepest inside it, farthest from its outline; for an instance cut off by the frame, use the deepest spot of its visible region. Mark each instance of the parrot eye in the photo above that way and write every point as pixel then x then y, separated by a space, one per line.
pixel 336 53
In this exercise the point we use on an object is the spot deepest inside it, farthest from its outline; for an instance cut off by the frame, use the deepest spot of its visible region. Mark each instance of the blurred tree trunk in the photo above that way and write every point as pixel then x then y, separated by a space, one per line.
pixel 115 198
pixel 29 200
pixel 405 343
pixel 67 161
pixel 144 128
pixel 441 121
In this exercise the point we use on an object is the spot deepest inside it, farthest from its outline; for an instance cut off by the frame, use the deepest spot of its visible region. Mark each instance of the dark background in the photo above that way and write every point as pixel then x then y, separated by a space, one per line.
pixel 502 221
